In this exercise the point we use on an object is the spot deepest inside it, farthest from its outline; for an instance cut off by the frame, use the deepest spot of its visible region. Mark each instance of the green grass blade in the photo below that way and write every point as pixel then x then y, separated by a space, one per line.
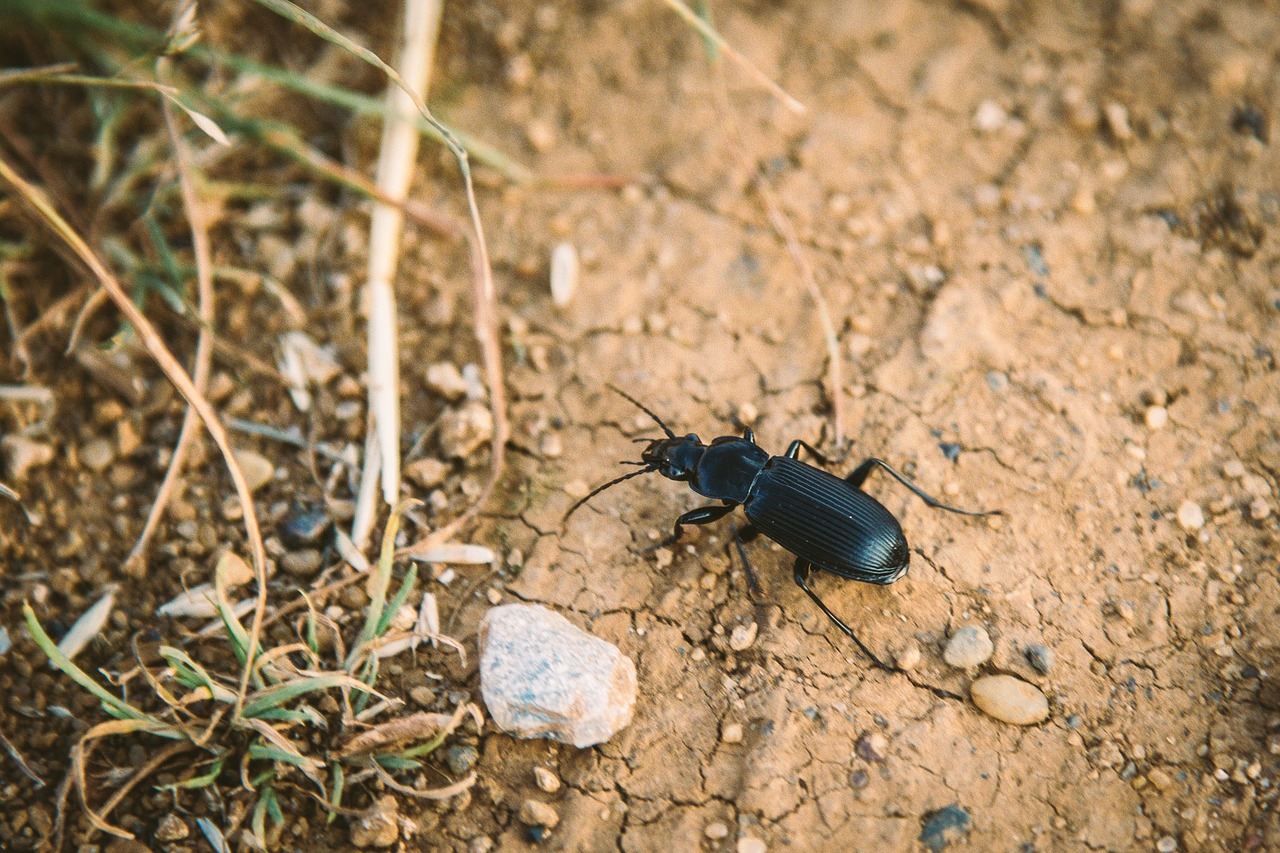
pixel 122 709
pixel 401 596
pixel 274 697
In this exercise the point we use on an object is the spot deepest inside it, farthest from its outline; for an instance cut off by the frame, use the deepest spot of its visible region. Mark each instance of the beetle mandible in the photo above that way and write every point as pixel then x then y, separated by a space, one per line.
pixel 828 523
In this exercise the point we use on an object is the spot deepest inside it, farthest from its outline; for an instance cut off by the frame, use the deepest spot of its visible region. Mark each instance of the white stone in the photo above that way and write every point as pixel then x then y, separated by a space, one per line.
pixel 543 677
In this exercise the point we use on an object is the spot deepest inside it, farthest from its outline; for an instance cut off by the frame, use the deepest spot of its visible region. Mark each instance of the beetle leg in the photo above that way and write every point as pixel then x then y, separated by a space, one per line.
pixel 859 476
pixel 749 434
pixel 701 515
pixel 741 536
pixel 802 569
pixel 793 450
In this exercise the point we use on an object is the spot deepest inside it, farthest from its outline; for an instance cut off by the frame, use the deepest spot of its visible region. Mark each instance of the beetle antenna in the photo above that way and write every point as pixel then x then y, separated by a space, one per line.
pixel 642 407
pixel 599 489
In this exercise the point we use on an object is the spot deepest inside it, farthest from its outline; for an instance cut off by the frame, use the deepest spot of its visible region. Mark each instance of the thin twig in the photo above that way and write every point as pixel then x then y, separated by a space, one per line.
pixel 155 345
pixel 204 346
pixel 707 32
pixel 20 761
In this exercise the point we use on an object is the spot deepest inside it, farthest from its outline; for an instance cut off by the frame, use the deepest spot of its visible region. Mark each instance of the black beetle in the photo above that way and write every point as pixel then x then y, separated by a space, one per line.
pixel 829 523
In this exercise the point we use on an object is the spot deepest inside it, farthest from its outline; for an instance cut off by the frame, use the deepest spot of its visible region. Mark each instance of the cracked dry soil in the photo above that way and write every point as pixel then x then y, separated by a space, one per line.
pixel 1035 225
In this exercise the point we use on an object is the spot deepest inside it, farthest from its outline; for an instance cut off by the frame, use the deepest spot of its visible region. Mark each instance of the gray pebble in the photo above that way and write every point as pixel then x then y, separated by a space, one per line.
pixel 302 564
pixel 304 526
pixel 1040 657
pixel 461 758
pixel 968 648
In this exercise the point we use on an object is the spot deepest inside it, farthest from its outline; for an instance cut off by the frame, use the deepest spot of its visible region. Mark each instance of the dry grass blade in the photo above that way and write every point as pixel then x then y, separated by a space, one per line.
pixel 707 32
pixel 429 794
pixel 14 754
pixel 400 731
pixel 88 626
pixel 485 295
pixel 155 346
pixel 84 748
pixel 205 306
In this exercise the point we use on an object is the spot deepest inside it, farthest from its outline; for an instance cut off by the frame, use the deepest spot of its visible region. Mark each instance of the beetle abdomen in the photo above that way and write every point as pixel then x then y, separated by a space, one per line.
pixel 820 517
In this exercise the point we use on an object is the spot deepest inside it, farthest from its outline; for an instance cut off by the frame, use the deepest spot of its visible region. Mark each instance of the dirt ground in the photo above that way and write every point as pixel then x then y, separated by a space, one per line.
pixel 1045 233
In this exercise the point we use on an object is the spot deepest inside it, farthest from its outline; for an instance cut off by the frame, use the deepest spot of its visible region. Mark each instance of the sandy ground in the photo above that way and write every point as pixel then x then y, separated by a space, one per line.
pixel 1044 234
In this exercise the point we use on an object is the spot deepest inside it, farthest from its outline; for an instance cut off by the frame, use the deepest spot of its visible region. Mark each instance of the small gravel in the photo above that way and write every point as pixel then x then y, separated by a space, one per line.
pixel 257 468
pixel 1010 700
pixel 743 636
pixel 1157 417
pixel 1040 657
pixel 538 813
pixel 909 657
pixel 1190 515
pixel 97 454
pixel 731 733
pixel 547 780
pixel 968 648
pixel 23 454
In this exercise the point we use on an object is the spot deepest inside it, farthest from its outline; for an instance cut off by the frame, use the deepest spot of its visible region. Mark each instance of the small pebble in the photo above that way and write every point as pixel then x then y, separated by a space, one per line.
pixel 731 733
pixel 171 828
pixel 233 570
pixel 747 413
pixel 989 117
pixel 1159 778
pixel 304 526
pixel 1259 509
pixel 537 813
pixel 494 595
pixel 547 781
pixel 1156 417
pixel 968 647
pixel 716 831
pixel 23 454
pixel 743 636
pixel 541 134
pixel 258 470
pixel 302 564
pixel 461 758
pixel 1040 657
pixel 445 379
pixel 426 473
pixel 1009 699
pixel 1118 120
pixel 422 695
pixel 564 273
pixel 551 446
pixel 97 454
pixel 464 430
pixel 379 826
pixel 873 746
pixel 909 657
pixel 1234 469
pixel 747 844
pixel 1168 844
pixel 1190 515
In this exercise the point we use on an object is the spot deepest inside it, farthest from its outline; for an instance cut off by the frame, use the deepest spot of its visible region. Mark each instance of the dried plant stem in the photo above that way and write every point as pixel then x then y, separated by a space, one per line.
pixel 204 300
pixel 707 32
pixel 155 346
pixel 394 173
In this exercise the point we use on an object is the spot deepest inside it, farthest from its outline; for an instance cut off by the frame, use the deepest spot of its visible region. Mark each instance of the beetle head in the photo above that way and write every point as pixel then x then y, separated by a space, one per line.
pixel 674 458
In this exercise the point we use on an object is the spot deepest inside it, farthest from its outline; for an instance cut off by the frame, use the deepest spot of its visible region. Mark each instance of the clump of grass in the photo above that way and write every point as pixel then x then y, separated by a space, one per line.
pixel 266 748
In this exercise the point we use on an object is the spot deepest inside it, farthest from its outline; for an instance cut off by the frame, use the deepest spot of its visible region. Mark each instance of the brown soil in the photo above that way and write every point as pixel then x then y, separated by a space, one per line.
pixel 1033 223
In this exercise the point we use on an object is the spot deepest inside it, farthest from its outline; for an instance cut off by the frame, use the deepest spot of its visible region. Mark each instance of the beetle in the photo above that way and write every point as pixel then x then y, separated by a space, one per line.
pixel 828 523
